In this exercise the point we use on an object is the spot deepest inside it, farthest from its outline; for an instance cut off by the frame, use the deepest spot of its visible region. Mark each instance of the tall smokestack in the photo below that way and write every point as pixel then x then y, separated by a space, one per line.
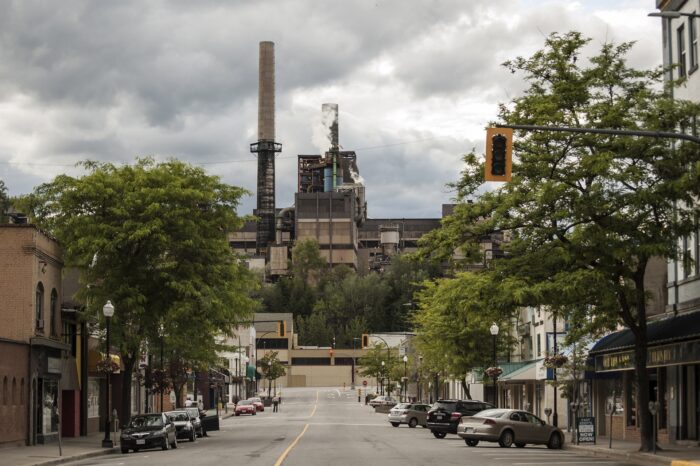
pixel 266 147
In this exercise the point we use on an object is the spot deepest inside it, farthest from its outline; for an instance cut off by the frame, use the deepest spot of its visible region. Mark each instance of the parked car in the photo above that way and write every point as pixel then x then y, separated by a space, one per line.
pixel 183 424
pixel 148 431
pixel 413 414
pixel 245 407
pixel 258 403
pixel 383 400
pixel 444 415
pixel 508 427
pixel 196 420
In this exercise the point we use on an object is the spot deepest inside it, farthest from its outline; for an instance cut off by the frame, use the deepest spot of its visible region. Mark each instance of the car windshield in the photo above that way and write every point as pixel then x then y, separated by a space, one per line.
pixel 403 406
pixel 193 412
pixel 492 413
pixel 445 405
pixel 245 403
pixel 146 421
pixel 178 416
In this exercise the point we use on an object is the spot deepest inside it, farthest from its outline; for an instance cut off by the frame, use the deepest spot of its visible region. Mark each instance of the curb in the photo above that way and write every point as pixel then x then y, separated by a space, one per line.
pixel 684 463
pixel 77 457
pixel 644 459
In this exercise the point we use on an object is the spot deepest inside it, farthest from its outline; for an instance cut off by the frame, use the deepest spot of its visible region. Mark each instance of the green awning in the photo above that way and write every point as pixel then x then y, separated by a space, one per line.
pixel 250 373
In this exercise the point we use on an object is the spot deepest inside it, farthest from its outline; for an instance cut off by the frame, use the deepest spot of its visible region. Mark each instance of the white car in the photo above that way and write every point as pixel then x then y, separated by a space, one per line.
pixel 383 400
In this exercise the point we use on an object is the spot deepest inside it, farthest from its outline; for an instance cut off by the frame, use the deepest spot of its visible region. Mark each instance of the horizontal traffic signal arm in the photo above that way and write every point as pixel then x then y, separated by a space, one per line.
pixel 619 132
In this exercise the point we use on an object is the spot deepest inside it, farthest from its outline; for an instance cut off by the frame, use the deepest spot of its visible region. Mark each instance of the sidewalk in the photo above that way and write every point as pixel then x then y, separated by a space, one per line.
pixel 74 449
pixel 675 455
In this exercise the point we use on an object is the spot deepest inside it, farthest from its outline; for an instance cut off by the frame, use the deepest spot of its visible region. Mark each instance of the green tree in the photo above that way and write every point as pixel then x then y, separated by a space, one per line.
pixel 272 368
pixel 4 203
pixel 379 362
pixel 150 237
pixel 452 324
pixel 585 212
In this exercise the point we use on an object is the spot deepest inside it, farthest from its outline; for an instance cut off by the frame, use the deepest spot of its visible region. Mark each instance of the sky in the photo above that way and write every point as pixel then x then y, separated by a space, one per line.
pixel 416 82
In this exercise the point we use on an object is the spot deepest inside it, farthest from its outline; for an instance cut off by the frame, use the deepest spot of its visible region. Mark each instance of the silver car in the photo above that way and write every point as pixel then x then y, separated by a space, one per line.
pixel 413 414
pixel 508 427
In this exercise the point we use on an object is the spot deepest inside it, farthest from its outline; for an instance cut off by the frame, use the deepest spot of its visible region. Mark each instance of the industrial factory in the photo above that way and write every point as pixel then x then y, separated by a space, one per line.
pixel 329 205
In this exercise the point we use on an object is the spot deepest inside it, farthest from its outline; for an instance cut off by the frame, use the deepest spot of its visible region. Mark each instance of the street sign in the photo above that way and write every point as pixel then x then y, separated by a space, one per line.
pixel 364 382
pixel 585 428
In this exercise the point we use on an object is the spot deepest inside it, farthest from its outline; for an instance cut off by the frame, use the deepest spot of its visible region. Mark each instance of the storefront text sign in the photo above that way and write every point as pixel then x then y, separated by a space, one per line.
pixel 667 355
pixel 585 429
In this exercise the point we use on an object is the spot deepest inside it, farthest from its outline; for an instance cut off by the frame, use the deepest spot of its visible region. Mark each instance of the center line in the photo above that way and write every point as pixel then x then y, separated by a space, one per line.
pixel 284 454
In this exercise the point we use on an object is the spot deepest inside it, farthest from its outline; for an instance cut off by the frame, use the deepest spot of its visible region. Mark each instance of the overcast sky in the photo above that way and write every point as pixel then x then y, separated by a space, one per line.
pixel 416 82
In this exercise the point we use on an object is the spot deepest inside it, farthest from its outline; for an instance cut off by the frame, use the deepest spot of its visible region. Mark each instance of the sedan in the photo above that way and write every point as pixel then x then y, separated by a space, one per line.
pixel 245 407
pixel 412 414
pixel 508 427
pixel 383 400
pixel 258 403
pixel 183 425
pixel 196 420
pixel 148 431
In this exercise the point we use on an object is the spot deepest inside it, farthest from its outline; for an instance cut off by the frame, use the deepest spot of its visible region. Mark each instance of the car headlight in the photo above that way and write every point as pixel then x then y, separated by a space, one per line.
pixel 157 434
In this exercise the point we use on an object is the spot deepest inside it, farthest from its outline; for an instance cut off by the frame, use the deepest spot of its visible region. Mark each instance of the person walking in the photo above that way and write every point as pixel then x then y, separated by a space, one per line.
pixel 275 403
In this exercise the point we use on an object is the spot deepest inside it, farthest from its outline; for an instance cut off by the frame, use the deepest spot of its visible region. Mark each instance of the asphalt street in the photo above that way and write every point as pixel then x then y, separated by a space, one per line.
pixel 326 426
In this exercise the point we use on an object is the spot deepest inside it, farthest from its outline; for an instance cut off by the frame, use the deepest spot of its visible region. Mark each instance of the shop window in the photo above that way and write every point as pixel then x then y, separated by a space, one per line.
pixel 39 312
pixel 54 312
pixel 680 35
pixel 539 346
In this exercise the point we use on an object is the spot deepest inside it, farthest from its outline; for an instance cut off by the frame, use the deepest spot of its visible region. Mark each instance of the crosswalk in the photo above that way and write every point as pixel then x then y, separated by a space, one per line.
pixel 531 456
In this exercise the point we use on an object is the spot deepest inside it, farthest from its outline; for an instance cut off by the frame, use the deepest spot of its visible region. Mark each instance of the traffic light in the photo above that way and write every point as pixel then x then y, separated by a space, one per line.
pixel 365 341
pixel 499 152
pixel 282 329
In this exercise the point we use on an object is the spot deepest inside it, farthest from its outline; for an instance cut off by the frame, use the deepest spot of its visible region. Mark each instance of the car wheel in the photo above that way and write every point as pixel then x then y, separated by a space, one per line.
pixel 125 450
pixel 554 441
pixel 395 424
pixel 166 443
pixel 471 442
pixel 238 414
pixel 506 439
pixel 519 444
pixel 413 423
pixel 254 413
pixel 437 434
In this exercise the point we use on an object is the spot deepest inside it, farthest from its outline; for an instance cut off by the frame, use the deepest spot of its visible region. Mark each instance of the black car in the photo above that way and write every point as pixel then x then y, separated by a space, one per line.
pixel 444 416
pixel 148 431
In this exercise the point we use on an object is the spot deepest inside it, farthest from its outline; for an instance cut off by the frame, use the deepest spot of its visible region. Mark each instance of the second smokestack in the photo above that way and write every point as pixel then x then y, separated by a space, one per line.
pixel 266 92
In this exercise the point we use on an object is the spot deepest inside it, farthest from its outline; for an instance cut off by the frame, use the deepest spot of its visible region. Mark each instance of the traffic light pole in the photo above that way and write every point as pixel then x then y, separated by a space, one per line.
pixel 618 132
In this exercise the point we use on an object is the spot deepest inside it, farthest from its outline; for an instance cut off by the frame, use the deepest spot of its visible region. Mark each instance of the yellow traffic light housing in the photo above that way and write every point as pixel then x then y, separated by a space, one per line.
pixel 365 341
pixel 499 154
pixel 282 329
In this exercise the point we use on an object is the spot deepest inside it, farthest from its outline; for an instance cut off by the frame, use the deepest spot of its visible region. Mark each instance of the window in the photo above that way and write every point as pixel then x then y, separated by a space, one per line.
pixel 680 35
pixel 54 311
pixel 539 346
pixel 14 391
pixel 693 38
pixel 40 307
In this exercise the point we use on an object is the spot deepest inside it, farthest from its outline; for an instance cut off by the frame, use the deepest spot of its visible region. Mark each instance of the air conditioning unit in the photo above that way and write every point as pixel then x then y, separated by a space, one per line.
pixel 40 323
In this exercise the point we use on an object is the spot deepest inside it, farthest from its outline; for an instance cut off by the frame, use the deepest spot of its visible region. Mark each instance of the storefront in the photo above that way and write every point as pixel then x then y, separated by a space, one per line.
pixel 673 365
pixel 48 361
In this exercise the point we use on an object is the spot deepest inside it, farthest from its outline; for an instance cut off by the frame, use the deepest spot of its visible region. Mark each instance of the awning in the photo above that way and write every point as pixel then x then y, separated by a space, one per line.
pixel 678 328
pixel 527 372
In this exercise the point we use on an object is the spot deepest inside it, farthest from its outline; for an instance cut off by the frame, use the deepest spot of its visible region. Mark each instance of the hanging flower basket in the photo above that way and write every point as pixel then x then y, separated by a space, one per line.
pixel 555 361
pixel 493 371
pixel 108 366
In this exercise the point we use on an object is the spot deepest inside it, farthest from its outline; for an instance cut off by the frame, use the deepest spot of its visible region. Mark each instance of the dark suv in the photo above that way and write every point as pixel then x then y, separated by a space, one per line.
pixel 444 415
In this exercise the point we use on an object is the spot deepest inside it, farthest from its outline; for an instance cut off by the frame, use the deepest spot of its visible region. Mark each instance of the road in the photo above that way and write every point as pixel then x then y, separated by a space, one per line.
pixel 326 426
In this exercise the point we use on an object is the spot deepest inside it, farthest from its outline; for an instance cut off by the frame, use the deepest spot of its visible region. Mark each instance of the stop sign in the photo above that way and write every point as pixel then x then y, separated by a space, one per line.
pixel 364 382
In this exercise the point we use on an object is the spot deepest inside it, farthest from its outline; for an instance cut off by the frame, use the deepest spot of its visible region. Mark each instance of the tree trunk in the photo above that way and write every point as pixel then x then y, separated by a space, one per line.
pixel 125 414
pixel 646 426
pixel 465 387
pixel 178 391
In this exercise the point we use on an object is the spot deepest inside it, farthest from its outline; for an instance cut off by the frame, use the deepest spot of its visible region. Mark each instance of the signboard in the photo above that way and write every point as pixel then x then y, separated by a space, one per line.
pixel 585 429
pixel 172 396
pixel 658 356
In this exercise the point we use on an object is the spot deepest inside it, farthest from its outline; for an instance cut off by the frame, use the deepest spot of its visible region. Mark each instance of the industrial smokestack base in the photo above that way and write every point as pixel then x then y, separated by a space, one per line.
pixel 265 148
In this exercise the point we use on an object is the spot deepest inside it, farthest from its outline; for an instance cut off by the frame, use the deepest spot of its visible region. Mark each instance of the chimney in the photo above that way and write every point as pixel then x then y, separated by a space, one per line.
pixel 266 92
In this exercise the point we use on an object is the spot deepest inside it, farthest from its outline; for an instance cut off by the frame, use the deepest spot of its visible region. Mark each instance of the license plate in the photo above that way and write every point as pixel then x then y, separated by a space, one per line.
pixel 141 442
pixel 438 417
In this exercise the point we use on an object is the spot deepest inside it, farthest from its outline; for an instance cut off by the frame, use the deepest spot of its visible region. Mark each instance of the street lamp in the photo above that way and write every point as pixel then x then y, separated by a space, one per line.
pixel 405 378
pixel 246 360
pixel 494 334
pixel 352 377
pixel 382 377
pixel 108 311
pixel 161 334
pixel 269 377
pixel 420 379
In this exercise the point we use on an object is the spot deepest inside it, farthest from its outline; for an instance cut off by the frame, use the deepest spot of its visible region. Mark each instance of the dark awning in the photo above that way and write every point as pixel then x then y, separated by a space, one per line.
pixel 679 328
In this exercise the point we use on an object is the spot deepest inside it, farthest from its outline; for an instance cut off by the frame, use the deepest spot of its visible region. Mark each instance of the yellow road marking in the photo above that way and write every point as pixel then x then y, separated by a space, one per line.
pixel 284 454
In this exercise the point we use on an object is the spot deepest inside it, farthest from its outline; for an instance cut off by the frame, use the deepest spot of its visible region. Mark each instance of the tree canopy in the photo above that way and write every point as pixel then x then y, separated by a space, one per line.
pixel 586 214
pixel 151 237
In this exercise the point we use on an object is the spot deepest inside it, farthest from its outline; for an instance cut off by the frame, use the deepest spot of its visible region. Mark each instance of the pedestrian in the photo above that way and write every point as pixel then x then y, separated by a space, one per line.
pixel 275 404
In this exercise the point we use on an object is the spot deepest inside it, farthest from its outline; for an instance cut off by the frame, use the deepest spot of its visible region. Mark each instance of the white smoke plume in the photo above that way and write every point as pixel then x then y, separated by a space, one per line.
pixel 321 130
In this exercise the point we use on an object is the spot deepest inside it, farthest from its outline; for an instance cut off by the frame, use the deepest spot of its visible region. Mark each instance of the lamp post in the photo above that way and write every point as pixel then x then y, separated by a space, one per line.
pixel 161 334
pixel 382 377
pixel 405 378
pixel 352 377
pixel 269 377
pixel 108 311
pixel 420 379
pixel 494 334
